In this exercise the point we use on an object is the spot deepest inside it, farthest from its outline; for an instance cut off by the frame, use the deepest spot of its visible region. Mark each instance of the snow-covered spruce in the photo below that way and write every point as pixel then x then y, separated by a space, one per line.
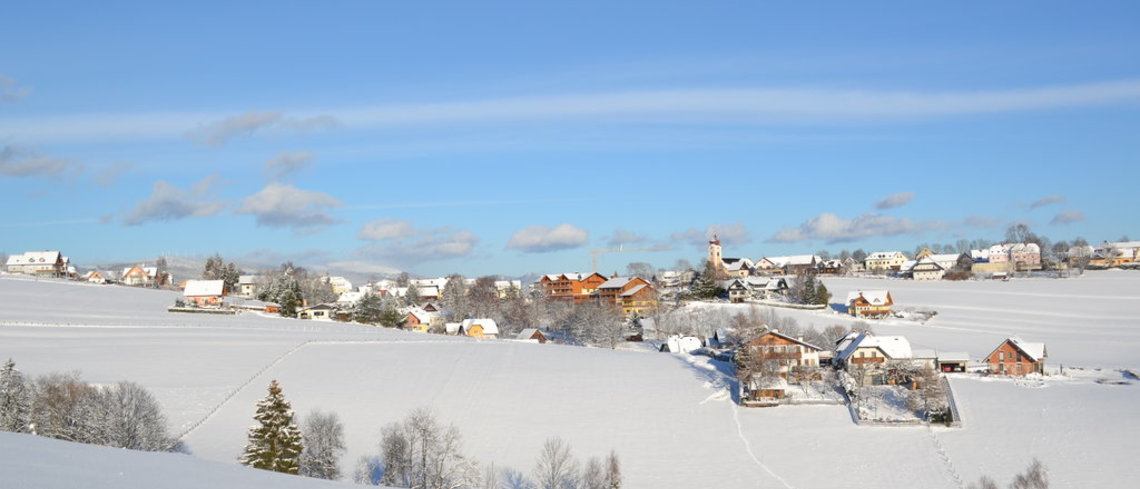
pixel 275 442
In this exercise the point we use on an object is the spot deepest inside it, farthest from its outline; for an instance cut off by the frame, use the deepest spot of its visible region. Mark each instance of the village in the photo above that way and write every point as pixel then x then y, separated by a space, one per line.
pixel 883 379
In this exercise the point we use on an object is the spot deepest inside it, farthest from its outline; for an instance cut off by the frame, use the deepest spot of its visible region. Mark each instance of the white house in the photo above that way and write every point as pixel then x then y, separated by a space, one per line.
pixel 42 263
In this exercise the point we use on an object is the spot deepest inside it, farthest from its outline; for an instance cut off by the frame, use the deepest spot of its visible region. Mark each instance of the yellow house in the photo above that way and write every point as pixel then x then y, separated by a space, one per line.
pixel 479 328
pixel 885 260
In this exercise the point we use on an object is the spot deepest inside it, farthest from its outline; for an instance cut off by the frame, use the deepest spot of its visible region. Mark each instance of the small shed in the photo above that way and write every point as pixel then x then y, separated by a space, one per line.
pixel 531 334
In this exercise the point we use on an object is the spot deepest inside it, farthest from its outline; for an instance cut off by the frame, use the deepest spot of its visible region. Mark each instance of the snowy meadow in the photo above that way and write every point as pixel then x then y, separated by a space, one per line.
pixel 671 418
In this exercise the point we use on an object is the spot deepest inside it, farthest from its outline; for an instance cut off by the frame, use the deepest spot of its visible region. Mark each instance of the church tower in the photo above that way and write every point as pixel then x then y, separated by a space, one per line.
pixel 715 256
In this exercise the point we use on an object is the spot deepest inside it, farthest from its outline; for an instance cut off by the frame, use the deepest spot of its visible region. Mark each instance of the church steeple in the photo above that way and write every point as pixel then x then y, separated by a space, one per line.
pixel 715 252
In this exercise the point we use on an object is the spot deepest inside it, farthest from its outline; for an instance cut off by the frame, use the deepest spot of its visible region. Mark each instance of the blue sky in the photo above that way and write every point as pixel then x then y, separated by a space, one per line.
pixel 512 138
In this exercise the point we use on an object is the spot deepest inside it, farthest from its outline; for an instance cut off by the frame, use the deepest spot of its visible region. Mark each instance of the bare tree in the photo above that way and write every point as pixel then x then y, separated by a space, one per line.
pixel 593 474
pixel 984 483
pixel 65 408
pixel 420 453
pixel 640 269
pixel 556 467
pixel 324 444
pixel 130 417
pixel 1034 477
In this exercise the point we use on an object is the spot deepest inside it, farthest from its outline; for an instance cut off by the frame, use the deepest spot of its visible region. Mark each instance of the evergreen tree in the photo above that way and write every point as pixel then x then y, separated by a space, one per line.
pixel 706 284
pixel 412 295
pixel 15 399
pixel 231 275
pixel 275 442
pixel 369 309
pixel 822 296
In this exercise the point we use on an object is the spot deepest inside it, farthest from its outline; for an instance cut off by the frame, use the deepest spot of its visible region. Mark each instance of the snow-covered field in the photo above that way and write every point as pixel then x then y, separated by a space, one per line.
pixel 669 417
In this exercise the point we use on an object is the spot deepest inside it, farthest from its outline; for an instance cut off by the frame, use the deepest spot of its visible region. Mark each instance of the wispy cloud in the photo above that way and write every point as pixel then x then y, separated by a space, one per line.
pixel 1044 201
pixel 108 176
pixel 220 132
pixel 728 234
pixel 718 106
pixel 170 203
pixel 20 162
pixel 895 200
pixel 286 164
pixel 1068 217
pixel 11 90
pixel 542 239
pixel 461 203
pixel 622 237
pixel 279 205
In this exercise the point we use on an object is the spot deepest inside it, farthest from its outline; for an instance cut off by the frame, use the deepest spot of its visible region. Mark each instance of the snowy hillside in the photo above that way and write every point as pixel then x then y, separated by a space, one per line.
pixel 42 463
pixel 670 418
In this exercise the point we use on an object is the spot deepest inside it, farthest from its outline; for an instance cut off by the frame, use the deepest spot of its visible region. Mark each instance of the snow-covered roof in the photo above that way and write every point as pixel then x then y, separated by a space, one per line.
pixel 422 315
pixel 198 288
pixel 894 347
pixel 736 264
pixel 616 282
pixel 1035 351
pixel 907 265
pixel 944 257
pixel 926 262
pixel 875 297
pixel 923 353
pixel 635 290
pixel 527 333
pixel 34 257
pixel 777 333
pixel 246 279
pixel 488 324
pixel 451 328
pixel 350 297
pixel 953 356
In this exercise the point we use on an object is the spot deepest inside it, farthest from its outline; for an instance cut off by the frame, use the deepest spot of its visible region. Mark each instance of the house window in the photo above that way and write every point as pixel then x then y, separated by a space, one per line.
pixel 1001 356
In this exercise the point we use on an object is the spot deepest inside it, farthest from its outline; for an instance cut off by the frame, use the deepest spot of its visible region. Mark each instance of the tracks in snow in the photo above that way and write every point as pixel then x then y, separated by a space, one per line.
pixel 942 454
pixel 748 448
pixel 240 388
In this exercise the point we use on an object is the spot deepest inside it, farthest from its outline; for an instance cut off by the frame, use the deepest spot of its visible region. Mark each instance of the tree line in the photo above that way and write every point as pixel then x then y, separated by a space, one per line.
pixel 63 406
pixel 417 452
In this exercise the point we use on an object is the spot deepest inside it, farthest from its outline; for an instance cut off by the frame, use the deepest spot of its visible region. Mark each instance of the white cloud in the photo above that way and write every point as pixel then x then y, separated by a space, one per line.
pixel 220 132
pixel 833 229
pixel 1068 217
pixel 623 237
pixel 895 200
pixel 16 161
pixel 1044 201
pixel 408 247
pixel 11 90
pixel 281 205
pixel 285 164
pixel 170 203
pixel 386 229
pixel 728 234
pixel 541 239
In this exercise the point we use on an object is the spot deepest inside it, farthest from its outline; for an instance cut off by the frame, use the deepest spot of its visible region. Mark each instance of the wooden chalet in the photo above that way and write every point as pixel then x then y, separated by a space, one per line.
pixel 872 304
pixel 575 287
